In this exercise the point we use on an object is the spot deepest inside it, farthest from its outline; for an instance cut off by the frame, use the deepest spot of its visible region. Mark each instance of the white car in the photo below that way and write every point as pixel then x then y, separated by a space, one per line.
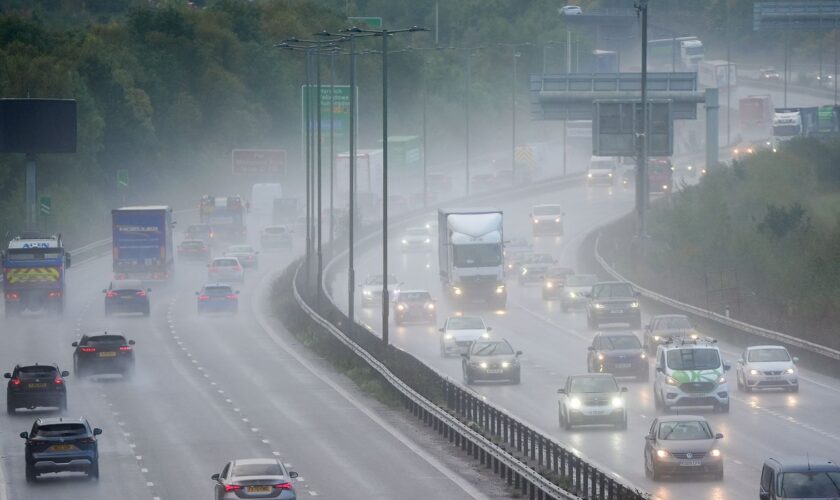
pixel 225 270
pixel 547 219
pixel 416 238
pixel 570 10
pixel 601 170
pixel 765 367
pixel 459 332
pixel 276 237
pixel 245 253
pixel 372 289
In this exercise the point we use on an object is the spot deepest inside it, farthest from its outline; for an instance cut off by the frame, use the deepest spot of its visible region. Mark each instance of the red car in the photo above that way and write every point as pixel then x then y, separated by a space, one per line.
pixel 660 175
pixel 194 250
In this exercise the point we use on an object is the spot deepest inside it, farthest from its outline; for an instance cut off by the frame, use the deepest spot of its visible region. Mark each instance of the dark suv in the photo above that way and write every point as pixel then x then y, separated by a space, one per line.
pixel 799 477
pixel 613 302
pixel 61 445
pixel 34 386
pixel 103 354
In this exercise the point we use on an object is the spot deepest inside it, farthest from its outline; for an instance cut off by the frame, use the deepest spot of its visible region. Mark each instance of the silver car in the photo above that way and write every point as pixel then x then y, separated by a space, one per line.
pixel 254 478
pixel 459 332
pixel 575 291
pixel 682 444
pixel 246 254
pixel 225 270
pixel 767 367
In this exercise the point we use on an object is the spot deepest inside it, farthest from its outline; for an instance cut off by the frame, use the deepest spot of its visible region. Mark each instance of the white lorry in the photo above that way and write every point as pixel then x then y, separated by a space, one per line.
pixel 470 256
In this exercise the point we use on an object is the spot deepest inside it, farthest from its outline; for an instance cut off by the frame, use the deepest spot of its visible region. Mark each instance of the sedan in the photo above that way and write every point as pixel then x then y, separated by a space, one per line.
pixel 664 328
pixel 217 297
pixel 194 250
pixel 61 445
pixel 254 478
pixel 226 269
pixel 576 290
pixel 126 296
pixel 547 219
pixel 613 302
pixel 491 360
pixel 416 239
pixel 246 255
pixel 459 332
pixel 767 367
pixel 682 444
pixel 372 289
pixel 554 281
pixel 593 399
pixel 276 237
pixel 104 353
pixel 534 267
pixel 414 305
pixel 619 353
pixel 36 386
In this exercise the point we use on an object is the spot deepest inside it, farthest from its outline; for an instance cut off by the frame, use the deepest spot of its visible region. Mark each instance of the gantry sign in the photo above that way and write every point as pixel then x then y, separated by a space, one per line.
pixel 804 16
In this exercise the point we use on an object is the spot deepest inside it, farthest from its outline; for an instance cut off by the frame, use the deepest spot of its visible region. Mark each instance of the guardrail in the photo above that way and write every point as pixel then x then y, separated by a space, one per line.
pixel 719 318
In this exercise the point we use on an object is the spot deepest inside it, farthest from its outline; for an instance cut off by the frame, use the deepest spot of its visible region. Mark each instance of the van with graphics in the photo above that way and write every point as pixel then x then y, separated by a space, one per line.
pixel 690 372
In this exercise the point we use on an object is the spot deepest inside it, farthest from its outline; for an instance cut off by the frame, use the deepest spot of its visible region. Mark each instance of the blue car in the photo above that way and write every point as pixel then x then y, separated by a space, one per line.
pixel 61 445
pixel 217 298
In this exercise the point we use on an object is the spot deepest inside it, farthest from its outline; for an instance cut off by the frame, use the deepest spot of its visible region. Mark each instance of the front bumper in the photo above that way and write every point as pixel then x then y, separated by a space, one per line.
pixel 617 315
pixel 548 226
pixel 494 373
pixel 573 302
pixel 422 315
pixel 678 466
pixel 596 415
pixel 415 246
pixel 762 381
pixel 674 396
pixel 599 179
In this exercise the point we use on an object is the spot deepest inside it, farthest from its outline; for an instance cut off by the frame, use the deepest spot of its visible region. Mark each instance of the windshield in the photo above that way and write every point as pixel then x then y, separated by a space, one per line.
pixel 275 230
pixel 593 384
pixel 491 348
pixel 36 371
pixel 693 359
pixel 684 430
pixel 602 164
pixel 810 484
pixel 675 323
pixel 193 244
pixel 558 272
pixel 32 254
pixel 225 262
pixel 480 255
pixel 415 296
pixel 612 290
pixel 693 51
pixel 417 231
pixel 241 249
pixel 60 430
pixel 465 323
pixel 547 210
pixel 104 339
pixel 620 342
pixel 767 355
pixel 217 290
pixel 271 469
pixel 581 280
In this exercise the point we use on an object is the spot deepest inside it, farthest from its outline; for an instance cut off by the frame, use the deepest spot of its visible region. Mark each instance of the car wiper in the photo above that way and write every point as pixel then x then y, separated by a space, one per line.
pixel 665 437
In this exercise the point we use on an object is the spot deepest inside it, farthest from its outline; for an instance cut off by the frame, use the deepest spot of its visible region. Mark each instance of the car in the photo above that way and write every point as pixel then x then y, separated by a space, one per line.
pixel 576 290
pixel 554 281
pixel 767 367
pixel 593 399
pixel 491 359
pixel 36 386
pixel 414 305
pixel 534 267
pixel 372 289
pixel 769 74
pixel 619 353
pixel 628 178
pixel 689 373
pixel 103 353
pixel 217 297
pixel 742 150
pixel 459 332
pixel 127 296
pixel 570 10
pixel 254 478
pixel 601 170
pixel 61 445
pixel 515 251
pixel 663 328
pixel 246 255
pixel 682 444
pixel 194 250
pixel 203 232
pixel 547 219
pixel 613 302
pixel 416 238
pixel 276 237
pixel 226 269
pixel 797 477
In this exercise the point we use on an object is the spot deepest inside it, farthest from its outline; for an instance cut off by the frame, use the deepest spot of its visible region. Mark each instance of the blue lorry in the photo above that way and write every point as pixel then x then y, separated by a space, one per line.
pixel 142 243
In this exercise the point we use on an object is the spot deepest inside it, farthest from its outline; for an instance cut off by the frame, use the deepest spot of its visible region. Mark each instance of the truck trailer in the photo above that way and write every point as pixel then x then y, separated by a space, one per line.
pixel 142 243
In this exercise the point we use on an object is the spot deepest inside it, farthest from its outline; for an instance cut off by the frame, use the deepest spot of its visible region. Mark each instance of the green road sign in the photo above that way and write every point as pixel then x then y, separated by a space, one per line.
pixel 122 179
pixel 45 205
pixel 374 23
pixel 341 115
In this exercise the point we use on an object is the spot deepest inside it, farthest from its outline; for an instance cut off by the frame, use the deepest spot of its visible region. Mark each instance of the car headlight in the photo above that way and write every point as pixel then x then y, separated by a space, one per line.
pixel 400 307
pixel 664 187
pixel 405 242
pixel 689 168
pixel 365 292
pixel 448 336
pixel 589 175
pixel 657 338
pixel 790 371
pixel 536 221
pixel 572 295
pixel 735 151
pixel 430 306
pixel 505 364
pixel 609 174
pixel 671 381
pixel 694 336
pixel 485 335
pixel 524 271
pixel 600 357
pixel 427 240
pixel 753 372
pixel 483 364
pixel 617 402
pixel 456 290
pixel 549 284
pixel 574 403
pixel 599 306
pixel 557 220
pixel 634 305
pixel 662 454
pixel 500 289
pixel 721 380
pixel 644 355
pixel 750 150
pixel 715 453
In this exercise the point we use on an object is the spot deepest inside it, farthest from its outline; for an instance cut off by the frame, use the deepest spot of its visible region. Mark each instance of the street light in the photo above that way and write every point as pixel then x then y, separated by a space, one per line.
pixel 514 56
pixel 641 134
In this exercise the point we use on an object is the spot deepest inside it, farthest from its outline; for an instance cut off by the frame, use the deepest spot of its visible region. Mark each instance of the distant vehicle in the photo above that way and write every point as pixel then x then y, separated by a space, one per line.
pixel 276 237
pixel 619 353
pixel 576 291
pixel 769 74
pixel 263 195
pixel 535 266
pixel 254 478
pixel 660 175
pixel 226 214
pixel 459 332
pixel 593 399
pixel 61 445
pixel 682 444
pixel 514 253
pixel 416 239
pixel 613 302
pixel 36 386
pixel 105 353
pixel 570 10
pixel 491 360
pixel 127 296
pixel 414 305
pixel 601 170
pixel 203 232
pixel 372 289
pixel 34 274
pixel 767 367
pixel 217 297
pixel 142 243
pixel 547 219
pixel 717 74
pixel 555 281
pixel 675 54
pixel 628 178
pixel 226 269
pixel 755 117
pixel 794 478
pixel 821 79
pixel 246 255
pixel 664 328
pixel 690 372
pixel 195 250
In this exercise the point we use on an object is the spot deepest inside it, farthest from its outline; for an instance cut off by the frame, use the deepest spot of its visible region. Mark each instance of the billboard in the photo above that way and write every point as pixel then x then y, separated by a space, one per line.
pixel 258 161
pixel 37 126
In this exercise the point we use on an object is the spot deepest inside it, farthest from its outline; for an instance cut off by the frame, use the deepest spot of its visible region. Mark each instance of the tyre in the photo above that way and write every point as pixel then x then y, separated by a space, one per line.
pixel 567 422
pixel 723 408
pixel 719 475
pixel 77 371
pixel 30 473
pixel 468 377
pixel 93 471
pixel 595 324
pixel 442 351
pixel 795 388
pixel 654 474
pixel 147 311
pixel 10 407
pixel 622 425
pixel 107 311
pixel 738 382
pixel 63 405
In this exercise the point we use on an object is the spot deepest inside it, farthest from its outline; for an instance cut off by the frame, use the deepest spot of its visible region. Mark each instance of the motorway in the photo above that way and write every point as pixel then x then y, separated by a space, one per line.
pixel 209 390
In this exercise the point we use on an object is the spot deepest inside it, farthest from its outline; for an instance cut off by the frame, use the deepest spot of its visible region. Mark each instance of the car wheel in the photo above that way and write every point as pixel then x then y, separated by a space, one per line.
pixel 567 422
pixel 719 475
pixel 647 466
pixel 77 371
pixel 128 374
pixel 622 425
pixel 10 407
pixel 147 311
pixel 93 472
pixel 107 312
pixel 795 388
pixel 63 406
pixel 30 473
pixel 738 382
pixel 442 351
pixel 747 388
pixel 654 474
pixel 468 377
pixel 723 408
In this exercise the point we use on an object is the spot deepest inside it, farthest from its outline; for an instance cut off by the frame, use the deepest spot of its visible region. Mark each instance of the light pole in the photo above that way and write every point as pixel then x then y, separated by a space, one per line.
pixel 515 54
pixel 467 83
pixel 641 133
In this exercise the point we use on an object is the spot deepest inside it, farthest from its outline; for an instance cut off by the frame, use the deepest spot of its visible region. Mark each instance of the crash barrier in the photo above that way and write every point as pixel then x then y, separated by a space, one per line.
pixel 783 338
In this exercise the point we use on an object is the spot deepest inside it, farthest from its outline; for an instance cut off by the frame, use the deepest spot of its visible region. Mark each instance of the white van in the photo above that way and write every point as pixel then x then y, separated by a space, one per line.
pixel 263 196
pixel 601 170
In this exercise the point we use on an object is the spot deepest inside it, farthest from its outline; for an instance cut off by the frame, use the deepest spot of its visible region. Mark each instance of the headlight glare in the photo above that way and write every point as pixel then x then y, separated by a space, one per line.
pixel 790 371
pixel 715 453
pixel 634 305
pixel 505 364
pixel 753 372
pixel 405 242
pixel 599 306
pixel 600 357
pixel 457 291
pixel 483 364
pixel 536 221
pixel 449 336
pixel 500 289
pixel 662 453
pixel 575 403
pixel 721 380
pixel 549 284
pixel 671 381
pixel 617 402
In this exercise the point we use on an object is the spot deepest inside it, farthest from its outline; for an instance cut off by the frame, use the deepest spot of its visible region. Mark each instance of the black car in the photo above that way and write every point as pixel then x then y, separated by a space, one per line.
pixel 414 305
pixel 491 360
pixel 555 280
pixel 61 445
pixel 613 302
pixel 799 477
pixel 36 386
pixel 619 353
pixel 126 296
pixel 103 354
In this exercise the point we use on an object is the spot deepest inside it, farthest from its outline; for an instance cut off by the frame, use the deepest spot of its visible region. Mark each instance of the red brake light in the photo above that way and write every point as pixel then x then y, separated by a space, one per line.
pixel 58 381
pixel 125 347
pixel 141 293
pixel 88 349
pixel 54 294
pixel 213 269
pixel 15 381
pixel 237 268
pixel 231 295
pixel 232 487
pixel 12 296
pixel 203 297
pixel 111 294
pixel 283 486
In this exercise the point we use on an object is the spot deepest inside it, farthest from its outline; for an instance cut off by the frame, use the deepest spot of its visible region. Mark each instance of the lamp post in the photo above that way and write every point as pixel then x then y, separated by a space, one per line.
pixel 515 54
pixel 467 83
pixel 641 133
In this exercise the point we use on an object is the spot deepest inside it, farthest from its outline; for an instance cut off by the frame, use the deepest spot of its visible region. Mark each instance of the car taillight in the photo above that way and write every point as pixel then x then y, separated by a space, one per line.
pixel 141 293
pixel 12 296
pixel 88 349
pixel 112 294
pixel 87 440
pixel 203 297
pixel 237 268
pixel 125 347
pixel 54 294
pixel 231 295
pixel 214 269
pixel 232 487
pixel 58 381
pixel 283 486
pixel 15 381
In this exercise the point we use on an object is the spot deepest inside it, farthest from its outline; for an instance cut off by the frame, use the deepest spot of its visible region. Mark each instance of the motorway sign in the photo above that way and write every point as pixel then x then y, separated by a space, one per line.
pixel 341 114
pixel 258 161
pixel 374 23
pixel 45 205
pixel 122 179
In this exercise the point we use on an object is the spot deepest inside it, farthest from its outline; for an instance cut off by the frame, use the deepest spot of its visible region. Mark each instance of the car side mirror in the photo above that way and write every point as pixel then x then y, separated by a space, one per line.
pixel 440 330
pixel 197 293
pixel 293 474
pixel 591 348
pixel 519 353
pixel 24 435
pixel 215 477
pixel 718 436
pixel 65 373
pixel 148 289
pixel 465 355
pixel 75 344
pixel 623 389
pixel 650 437
pixel 795 360
pixel 659 369
pixel 237 292
pixel 637 294
pixel 489 328
pixel 740 361
pixel 68 259
pixel 763 495
pixel 256 253
pixel 97 431
pixel 104 291
pixel 7 375
pixel 561 391
pixel 208 265
pixel 131 342
pixel 726 366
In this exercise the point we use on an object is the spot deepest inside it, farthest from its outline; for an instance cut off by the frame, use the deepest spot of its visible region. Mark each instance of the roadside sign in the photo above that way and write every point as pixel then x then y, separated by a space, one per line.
pixel 374 23
pixel 45 205
pixel 614 126
pixel 122 179
pixel 341 113
pixel 258 161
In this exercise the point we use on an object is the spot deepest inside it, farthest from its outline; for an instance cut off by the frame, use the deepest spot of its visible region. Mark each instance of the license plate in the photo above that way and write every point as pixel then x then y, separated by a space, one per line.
pixel 689 463
pixel 774 377
pixel 108 354
pixel 37 386
pixel 494 371
pixel 126 297
pixel 623 365
pixel 62 447
pixel 258 489
pixel 617 311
